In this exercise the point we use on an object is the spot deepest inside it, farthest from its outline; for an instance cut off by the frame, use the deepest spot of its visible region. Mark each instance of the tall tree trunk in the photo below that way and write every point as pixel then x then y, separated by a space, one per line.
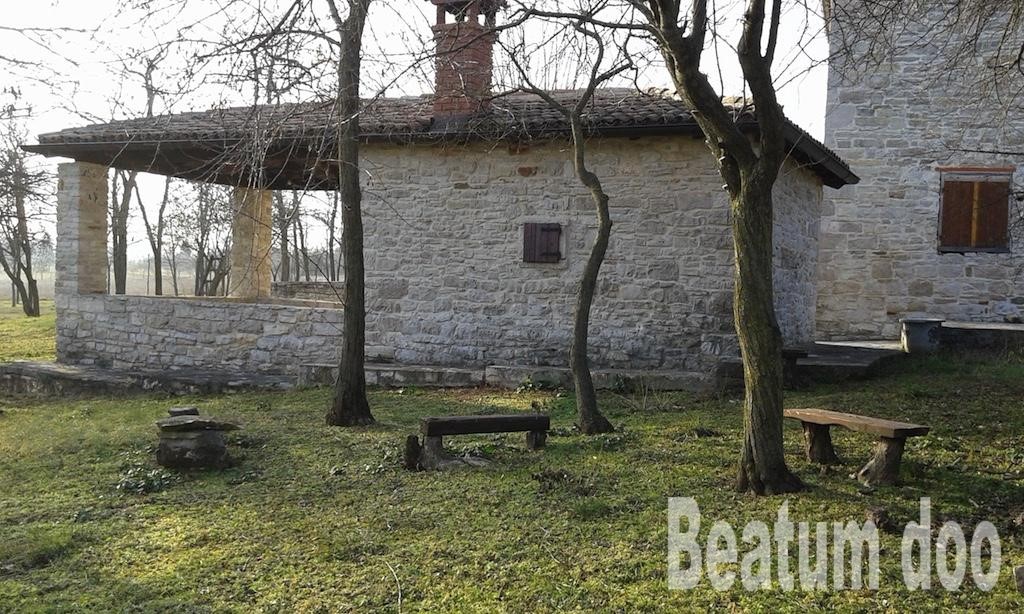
pixel 589 419
pixel 350 406
pixel 29 296
pixel 283 222
pixel 295 248
pixel 199 283
pixel 122 198
pixel 749 173
pixel 302 249
pixel 158 273
pixel 174 266
pixel 332 231
pixel 762 464
pixel 155 234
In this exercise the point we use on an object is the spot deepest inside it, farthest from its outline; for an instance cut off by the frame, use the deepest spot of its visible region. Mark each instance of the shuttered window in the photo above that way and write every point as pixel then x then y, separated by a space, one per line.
pixel 542 242
pixel 975 212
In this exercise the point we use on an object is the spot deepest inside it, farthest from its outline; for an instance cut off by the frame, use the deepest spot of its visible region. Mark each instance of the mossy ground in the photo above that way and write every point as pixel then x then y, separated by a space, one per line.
pixel 316 518
pixel 24 338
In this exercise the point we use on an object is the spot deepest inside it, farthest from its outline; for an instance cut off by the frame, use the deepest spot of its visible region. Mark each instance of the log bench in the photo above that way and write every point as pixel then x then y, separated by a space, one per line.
pixel 431 454
pixel 884 466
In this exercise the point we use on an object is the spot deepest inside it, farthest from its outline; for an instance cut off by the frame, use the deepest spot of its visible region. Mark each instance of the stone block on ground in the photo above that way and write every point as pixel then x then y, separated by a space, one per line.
pixel 193 450
pixel 190 441
pixel 189 410
pixel 194 423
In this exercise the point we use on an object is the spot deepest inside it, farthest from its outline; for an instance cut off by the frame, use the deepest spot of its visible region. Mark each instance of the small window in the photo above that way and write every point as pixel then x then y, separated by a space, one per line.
pixel 542 242
pixel 975 210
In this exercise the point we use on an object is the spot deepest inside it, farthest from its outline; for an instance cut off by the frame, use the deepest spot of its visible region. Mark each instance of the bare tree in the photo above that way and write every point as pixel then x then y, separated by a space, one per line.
pixel 123 185
pixel 589 418
pixel 350 406
pixel 22 191
pixel 749 168
pixel 331 265
pixel 283 217
pixel 201 226
pixel 155 234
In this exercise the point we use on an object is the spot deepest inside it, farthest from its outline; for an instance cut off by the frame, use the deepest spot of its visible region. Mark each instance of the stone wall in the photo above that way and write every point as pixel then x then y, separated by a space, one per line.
pixel 178 333
pixel 446 284
pixel 895 123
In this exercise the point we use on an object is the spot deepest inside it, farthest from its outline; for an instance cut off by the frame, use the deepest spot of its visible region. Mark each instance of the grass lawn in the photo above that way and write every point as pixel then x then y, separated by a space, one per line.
pixel 323 519
pixel 24 338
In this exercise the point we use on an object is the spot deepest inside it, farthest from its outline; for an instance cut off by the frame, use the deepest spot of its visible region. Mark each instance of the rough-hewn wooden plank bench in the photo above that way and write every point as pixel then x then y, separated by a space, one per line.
pixel 432 455
pixel 884 466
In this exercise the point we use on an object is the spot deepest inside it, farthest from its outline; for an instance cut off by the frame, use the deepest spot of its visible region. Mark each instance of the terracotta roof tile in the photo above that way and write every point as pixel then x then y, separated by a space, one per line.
pixel 514 117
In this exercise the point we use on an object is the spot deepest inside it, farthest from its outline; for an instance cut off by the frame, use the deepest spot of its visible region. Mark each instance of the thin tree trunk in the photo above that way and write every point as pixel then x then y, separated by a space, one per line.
pixel 590 420
pixel 174 267
pixel 749 173
pixel 332 272
pixel 155 234
pixel 303 251
pixel 29 296
pixel 762 464
pixel 350 406
pixel 283 222
pixel 119 227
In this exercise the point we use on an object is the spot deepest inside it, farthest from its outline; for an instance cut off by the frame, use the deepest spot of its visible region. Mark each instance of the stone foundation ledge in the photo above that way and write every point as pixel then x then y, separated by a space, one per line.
pixel 47 378
pixel 398 375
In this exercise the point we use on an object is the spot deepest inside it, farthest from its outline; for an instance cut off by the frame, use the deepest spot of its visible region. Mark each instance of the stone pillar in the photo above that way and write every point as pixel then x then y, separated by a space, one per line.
pixel 81 254
pixel 250 243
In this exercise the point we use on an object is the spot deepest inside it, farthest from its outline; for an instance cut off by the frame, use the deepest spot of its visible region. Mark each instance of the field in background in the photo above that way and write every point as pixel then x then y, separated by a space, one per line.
pixel 137 283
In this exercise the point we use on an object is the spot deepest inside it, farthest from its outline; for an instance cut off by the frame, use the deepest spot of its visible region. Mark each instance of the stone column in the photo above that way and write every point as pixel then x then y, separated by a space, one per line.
pixel 81 254
pixel 250 243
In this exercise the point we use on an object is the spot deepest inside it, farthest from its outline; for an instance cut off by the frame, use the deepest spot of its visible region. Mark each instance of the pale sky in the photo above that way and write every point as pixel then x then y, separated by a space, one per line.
pixel 80 66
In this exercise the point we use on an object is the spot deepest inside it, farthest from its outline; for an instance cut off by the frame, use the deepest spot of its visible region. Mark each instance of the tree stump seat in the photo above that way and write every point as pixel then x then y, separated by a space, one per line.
pixel 431 454
pixel 191 441
pixel 884 466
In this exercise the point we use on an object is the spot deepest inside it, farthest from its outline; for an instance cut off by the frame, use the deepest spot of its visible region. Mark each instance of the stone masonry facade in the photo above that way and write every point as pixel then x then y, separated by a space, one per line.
pixel 897 123
pixel 446 281
pixel 158 333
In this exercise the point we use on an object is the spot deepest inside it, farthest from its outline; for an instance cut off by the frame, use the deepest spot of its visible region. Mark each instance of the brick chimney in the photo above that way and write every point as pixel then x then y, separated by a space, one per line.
pixel 464 34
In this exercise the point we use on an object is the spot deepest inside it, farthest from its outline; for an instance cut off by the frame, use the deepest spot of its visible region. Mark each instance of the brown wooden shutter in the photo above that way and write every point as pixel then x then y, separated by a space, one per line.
pixel 957 206
pixel 993 202
pixel 542 242
pixel 550 241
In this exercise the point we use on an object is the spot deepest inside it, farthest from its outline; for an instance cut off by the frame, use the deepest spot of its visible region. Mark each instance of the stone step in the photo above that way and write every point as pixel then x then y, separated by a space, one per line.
pixel 830 361
pixel 991 336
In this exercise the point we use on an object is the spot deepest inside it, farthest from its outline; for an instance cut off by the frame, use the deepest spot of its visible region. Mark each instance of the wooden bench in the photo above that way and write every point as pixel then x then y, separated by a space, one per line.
pixel 884 466
pixel 431 454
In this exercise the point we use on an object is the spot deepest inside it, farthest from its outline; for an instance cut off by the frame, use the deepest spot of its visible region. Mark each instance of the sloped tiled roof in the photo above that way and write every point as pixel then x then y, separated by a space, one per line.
pixel 206 136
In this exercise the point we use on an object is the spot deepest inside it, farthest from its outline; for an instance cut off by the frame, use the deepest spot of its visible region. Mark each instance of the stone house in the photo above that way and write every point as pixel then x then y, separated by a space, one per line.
pixel 476 231
pixel 933 227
